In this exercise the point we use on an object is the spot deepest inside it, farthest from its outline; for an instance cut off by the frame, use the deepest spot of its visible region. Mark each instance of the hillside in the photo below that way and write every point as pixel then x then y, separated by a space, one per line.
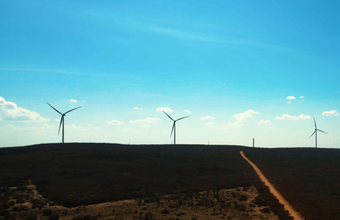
pixel 88 173
pixel 308 178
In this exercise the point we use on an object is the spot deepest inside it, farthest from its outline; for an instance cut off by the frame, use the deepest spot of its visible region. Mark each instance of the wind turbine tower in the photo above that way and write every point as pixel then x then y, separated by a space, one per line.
pixel 316 134
pixel 174 125
pixel 62 120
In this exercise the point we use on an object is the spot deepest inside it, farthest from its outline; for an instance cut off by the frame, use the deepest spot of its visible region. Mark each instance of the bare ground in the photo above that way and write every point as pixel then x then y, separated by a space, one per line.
pixel 238 203
pixel 277 194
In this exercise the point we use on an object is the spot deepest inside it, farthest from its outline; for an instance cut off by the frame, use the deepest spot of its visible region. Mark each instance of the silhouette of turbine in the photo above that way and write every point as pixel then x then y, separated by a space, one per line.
pixel 316 134
pixel 62 120
pixel 174 125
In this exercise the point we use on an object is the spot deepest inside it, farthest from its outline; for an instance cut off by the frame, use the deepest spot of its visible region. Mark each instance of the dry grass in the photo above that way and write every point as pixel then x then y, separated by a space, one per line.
pixel 307 178
pixel 236 203
pixel 85 174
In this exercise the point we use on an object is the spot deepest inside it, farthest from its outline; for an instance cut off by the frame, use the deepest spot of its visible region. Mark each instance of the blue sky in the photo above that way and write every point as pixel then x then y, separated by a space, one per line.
pixel 258 69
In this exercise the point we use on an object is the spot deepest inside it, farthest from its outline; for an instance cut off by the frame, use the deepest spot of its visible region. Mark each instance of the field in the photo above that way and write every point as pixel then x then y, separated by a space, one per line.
pixel 308 178
pixel 170 182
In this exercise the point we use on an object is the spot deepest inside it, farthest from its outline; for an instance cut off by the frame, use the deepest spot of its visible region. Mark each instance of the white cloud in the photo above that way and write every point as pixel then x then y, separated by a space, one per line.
pixel 208 117
pixel 239 119
pixel 223 126
pixel 330 113
pixel 136 108
pixel 146 121
pixel 289 102
pixel 187 111
pixel 73 100
pixel 44 128
pixel 290 117
pixel 265 122
pixel 302 97
pixel 73 127
pixel 10 111
pixel 302 116
pixel 115 122
pixel 93 127
pixel 291 97
pixel 212 125
pixel 166 109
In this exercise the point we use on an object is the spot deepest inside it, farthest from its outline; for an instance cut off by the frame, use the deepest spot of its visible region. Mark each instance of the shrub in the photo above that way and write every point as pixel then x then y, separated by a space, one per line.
pixel 47 211
pixel 5 205
pixel 85 217
pixel 21 188
pixel 3 189
pixel 242 197
pixel 242 208
pixel 37 203
pixel 21 200
pixel 182 213
pixel 54 216
pixel 165 211
pixel 149 216
pixel 9 192
pixel 32 216
pixel 266 210
pixel 19 208
pixel 4 212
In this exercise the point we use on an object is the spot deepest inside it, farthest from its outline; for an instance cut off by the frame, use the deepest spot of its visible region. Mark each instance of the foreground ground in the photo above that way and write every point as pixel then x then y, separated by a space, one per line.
pixel 274 191
pixel 70 175
pixel 26 203
pixel 308 178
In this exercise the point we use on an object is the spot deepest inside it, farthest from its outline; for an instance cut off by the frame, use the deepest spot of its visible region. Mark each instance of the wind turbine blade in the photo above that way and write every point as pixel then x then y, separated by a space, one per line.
pixel 61 121
pixel 168 116
pixel 53 108
pixel 314 123
pixel 183 118
pixel 172 130
pixel 312 134
pixel 71 110
pixel 322 131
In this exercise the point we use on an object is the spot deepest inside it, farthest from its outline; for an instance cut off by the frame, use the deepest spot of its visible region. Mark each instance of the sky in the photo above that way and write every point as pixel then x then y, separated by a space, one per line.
pixel 241 69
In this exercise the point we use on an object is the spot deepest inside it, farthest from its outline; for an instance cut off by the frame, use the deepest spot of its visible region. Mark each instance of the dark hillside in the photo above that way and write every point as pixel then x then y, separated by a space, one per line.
pixel 93 173
pixel 308 178
pixel 88 173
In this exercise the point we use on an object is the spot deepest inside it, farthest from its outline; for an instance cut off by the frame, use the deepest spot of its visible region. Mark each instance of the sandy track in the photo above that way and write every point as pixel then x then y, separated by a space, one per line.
pixel 276 193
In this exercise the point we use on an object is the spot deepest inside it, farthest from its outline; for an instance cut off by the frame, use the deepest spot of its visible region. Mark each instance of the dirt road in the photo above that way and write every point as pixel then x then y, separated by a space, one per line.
pixel 276 193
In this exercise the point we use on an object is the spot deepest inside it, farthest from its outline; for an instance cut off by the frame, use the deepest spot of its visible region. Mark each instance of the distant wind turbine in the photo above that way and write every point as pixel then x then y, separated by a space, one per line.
pixel 62 120
pixel 316 134
pixel 174 125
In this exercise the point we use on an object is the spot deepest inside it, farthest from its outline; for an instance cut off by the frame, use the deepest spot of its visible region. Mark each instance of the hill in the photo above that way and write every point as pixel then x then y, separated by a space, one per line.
pixel 307 177
pixel 88 173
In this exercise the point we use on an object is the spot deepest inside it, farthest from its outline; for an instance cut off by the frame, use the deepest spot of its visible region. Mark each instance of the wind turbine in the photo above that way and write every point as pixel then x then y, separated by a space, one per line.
pixel 174 125
pixel 62 118
pixel 316 134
